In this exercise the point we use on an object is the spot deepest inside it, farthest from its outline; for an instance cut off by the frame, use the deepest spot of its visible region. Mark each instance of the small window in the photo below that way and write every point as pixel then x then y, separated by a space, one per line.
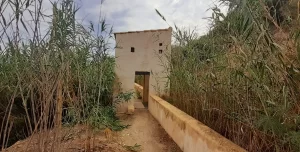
pixel 160 44
pixel 132 49
pixel 160 51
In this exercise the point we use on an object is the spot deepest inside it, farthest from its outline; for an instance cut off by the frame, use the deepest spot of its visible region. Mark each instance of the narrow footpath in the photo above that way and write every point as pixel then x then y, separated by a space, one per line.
pixel 146 132
pixel 143 135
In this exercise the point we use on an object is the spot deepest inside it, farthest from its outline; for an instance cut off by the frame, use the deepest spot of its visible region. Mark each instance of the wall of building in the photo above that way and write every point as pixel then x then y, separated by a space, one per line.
pixel 188 133
pixel 145 58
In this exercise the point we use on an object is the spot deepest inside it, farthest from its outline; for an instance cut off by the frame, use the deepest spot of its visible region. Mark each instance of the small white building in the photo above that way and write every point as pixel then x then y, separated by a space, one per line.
pixel 143 53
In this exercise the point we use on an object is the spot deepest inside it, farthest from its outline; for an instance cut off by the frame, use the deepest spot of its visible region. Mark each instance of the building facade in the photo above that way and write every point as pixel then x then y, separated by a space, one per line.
pixel 143 52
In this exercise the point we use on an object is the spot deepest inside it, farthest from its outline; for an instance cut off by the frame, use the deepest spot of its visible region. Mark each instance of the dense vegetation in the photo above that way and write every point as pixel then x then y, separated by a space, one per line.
pixel 53 69
pixel 242 78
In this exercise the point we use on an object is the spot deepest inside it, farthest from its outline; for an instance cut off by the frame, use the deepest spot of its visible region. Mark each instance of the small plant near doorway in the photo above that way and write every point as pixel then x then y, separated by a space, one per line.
pixel 139 79
pixel 138 94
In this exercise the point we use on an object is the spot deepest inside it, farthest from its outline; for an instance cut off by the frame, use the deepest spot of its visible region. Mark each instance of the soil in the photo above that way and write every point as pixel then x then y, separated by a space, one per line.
pixel 74 139
pixel 144 132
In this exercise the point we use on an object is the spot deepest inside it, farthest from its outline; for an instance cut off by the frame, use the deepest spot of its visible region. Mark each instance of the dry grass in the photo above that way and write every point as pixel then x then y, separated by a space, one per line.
pixel 242 78
pixel 54 71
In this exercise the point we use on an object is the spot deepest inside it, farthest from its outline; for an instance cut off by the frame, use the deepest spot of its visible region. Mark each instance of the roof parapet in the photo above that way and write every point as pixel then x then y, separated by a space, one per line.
pixel 152 30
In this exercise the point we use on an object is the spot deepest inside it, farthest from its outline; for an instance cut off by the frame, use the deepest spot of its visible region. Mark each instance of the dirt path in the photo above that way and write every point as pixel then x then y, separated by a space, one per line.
pixel 147 132
pixel 144 130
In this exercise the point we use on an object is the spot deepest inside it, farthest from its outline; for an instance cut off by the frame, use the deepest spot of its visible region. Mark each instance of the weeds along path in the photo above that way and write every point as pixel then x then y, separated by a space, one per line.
pixel 143 135
pixel 146 132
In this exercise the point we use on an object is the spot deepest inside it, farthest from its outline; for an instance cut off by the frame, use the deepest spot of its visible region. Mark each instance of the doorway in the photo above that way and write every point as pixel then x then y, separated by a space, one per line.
pixel 142 78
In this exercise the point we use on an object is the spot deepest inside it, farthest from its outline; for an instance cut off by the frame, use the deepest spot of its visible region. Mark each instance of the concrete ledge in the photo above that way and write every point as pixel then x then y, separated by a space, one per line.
pixel 188 133
pixel 138 88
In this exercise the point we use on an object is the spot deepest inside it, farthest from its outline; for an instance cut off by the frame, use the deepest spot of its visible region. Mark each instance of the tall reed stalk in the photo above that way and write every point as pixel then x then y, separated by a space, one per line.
pixel 242 78
pixel 61 75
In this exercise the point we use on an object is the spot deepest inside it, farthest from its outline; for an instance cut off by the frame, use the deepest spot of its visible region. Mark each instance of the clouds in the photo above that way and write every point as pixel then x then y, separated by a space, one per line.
pixel 131 15
pixel 25 27
pixel 135 15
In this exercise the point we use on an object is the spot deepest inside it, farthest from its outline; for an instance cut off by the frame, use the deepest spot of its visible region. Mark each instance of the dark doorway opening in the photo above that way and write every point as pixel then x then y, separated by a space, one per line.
pixel 142 78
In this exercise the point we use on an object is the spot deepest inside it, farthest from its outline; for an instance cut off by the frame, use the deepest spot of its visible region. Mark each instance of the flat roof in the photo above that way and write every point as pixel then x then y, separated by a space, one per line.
pixel 153 30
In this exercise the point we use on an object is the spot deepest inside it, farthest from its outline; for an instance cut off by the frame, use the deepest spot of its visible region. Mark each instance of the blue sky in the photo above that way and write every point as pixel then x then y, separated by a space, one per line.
pixel 132 15
pixel 135 15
